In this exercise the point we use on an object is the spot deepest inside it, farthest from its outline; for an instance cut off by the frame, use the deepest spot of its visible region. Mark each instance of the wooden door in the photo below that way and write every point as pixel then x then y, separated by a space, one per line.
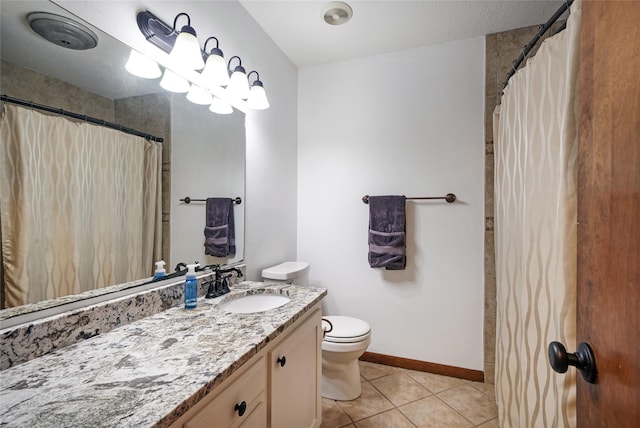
pixel 609 212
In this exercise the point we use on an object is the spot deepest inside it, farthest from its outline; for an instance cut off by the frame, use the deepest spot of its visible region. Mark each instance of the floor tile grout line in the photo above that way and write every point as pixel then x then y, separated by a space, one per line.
pixel 369 416
pixel 455 410
pixel 398 408
pixel 491 397
pixel 460 413
pixel 398 405
pixel 431 393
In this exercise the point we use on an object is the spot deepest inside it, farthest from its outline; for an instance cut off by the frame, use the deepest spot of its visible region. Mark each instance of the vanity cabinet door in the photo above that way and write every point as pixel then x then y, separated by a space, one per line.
pixel 295 367
pixel 243 403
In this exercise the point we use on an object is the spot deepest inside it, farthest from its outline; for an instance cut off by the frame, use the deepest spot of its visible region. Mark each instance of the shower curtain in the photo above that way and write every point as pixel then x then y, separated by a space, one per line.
pixel 79 204
pixel 536 145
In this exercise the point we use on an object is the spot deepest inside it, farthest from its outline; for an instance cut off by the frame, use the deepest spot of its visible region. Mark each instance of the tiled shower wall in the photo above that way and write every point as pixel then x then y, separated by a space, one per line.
pixel 501 50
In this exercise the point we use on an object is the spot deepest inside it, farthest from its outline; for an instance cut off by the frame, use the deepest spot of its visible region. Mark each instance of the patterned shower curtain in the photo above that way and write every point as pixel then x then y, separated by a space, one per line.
pixel 79 204
pixel 536 146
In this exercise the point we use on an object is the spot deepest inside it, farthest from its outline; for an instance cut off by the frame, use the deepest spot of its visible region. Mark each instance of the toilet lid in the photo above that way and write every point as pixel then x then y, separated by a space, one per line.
pixel 346 329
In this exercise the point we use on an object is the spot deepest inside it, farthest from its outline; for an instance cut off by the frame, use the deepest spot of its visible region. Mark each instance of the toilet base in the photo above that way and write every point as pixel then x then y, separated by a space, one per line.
pixel 341 381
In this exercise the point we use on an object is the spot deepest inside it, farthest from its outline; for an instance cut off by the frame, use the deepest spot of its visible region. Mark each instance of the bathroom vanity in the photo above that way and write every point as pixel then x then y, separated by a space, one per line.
pixel 182 368
pixel 278 387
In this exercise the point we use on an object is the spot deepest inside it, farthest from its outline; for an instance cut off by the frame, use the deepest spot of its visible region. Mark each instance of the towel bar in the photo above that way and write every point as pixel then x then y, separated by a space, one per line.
pixel 450 197
pixel 188 200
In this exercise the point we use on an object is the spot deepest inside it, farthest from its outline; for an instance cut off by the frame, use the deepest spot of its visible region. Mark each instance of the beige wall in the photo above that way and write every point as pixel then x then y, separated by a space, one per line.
pixel 501 50
pixel 29 85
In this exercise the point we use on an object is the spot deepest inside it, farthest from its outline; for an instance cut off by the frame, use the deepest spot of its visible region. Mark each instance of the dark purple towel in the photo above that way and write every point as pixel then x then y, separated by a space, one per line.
pixel 387 232
pixel 219 230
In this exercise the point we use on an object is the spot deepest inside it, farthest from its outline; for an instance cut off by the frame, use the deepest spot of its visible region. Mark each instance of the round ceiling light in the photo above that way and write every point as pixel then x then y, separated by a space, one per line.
pixel 62 31
pixel 337 13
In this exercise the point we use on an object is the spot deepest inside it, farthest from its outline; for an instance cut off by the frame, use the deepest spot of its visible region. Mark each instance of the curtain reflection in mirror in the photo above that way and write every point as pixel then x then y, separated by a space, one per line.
pixel 78 211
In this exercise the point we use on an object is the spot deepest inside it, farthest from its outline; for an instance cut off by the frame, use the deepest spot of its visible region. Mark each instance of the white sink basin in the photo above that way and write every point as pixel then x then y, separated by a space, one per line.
pixel 254 303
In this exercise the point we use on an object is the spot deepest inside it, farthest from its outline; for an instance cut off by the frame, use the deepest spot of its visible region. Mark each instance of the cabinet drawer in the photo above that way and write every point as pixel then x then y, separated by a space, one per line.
pixel 246 396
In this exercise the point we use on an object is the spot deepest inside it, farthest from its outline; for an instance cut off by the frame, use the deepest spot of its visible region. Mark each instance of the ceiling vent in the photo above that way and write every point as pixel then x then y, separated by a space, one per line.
pixel 62 31
pixel 337 13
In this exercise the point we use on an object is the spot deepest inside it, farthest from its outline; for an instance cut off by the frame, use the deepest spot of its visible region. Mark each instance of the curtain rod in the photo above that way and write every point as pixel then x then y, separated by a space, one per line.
pixel 78 116
pixel 541 30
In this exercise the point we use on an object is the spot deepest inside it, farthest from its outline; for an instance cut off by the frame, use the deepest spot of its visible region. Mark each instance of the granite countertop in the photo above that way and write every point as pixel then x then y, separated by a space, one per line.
pixel 59 301
pixel 149 372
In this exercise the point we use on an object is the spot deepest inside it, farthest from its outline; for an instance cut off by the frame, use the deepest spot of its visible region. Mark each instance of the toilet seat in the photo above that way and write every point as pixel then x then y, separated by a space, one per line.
pixel 347 330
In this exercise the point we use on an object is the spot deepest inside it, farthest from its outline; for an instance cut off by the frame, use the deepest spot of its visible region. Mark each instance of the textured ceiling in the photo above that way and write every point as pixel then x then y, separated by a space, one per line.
pixel 298 28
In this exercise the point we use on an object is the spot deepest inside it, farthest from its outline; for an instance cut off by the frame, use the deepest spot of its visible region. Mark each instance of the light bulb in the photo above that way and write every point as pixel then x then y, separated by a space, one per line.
pixel 142 66
pixel 215 71
pixel 186 52
pixel 258 97
pixel 220 107
pixel 174 83
pixel 197 95
pixel 238 85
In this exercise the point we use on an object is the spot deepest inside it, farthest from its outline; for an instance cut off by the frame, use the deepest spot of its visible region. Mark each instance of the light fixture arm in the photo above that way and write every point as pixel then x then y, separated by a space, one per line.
pixel 231 59
pixel 175 21
pixel 207 41
pixel 214 51
pixel 257 77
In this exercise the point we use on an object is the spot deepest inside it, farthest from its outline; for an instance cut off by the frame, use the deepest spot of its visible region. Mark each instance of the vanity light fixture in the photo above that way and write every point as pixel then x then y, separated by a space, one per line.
pixel 142 66
pixel 186 51
pixel 257 96
pixel 174 83
pixel 238 87
pixel 216 84
pixel 220 107
pixel 215 71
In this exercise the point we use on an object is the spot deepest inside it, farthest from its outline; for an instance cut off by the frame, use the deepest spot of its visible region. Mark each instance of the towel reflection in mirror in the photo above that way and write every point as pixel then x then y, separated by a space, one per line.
pixel 219 231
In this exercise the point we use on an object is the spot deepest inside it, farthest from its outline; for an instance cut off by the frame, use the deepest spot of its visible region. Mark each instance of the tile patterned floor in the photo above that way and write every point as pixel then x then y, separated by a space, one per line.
pixel 398 398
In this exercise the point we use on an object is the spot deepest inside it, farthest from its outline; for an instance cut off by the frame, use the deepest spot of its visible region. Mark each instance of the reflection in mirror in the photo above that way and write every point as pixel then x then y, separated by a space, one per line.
pixel 202 155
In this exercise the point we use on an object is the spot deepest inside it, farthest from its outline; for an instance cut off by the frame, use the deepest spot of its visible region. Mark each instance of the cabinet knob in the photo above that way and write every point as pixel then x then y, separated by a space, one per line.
pixel 241 408
pixel 282 361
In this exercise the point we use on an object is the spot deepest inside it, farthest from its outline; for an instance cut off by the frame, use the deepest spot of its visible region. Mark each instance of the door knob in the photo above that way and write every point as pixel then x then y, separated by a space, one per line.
pixel 583 359
pixel 282 361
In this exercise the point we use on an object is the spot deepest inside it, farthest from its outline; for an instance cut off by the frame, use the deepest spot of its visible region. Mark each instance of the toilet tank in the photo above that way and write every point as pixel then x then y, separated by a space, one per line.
pixel 289 272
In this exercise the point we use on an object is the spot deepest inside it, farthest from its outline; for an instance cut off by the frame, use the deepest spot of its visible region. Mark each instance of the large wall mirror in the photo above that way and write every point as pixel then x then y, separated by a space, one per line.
pixel 203 154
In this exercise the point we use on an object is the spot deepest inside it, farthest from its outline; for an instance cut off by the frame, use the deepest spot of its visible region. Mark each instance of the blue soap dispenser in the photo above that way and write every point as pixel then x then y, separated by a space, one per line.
pixel 160 272
pixel 191 288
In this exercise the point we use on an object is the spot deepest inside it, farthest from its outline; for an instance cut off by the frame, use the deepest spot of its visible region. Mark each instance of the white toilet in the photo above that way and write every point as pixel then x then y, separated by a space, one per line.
pixel 342 346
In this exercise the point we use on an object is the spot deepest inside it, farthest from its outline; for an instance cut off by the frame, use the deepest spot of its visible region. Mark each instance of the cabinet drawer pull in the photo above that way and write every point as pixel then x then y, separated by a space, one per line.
pixel 241 408
pixel 282 361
